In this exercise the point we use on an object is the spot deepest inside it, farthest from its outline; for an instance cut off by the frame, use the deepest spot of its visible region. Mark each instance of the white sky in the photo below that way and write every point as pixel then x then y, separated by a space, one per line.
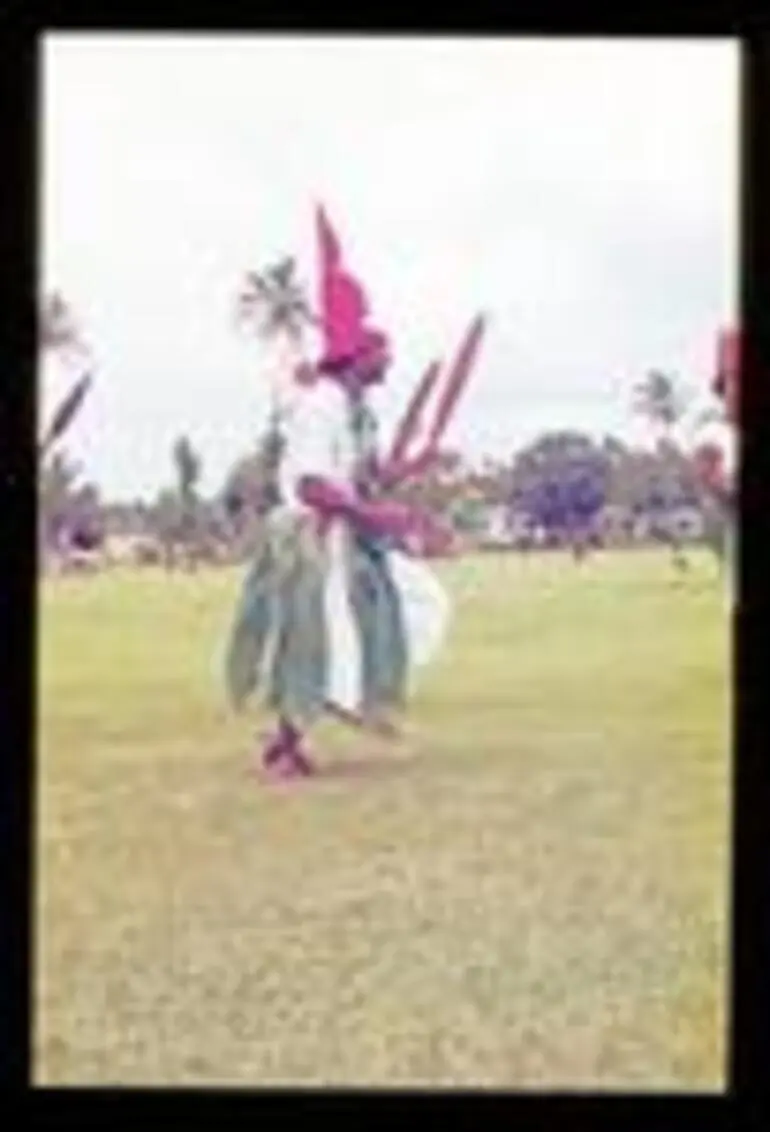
pixel 584 193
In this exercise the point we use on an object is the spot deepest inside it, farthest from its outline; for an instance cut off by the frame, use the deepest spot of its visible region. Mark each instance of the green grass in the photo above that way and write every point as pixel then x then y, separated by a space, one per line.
pixel 532 892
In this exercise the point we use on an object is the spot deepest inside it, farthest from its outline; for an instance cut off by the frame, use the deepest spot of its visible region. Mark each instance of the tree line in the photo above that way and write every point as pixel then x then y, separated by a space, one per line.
pixel 563 482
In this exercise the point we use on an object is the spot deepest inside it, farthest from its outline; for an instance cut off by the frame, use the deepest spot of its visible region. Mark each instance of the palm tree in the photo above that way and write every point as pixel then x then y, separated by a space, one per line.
pixel 273 303
pixel 188 465
pixel 188 468
pixel 661 399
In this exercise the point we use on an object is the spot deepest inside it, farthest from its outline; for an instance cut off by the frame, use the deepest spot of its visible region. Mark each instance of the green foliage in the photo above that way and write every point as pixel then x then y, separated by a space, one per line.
pixel 168 515
pixel 251 487
pixel 661 398
pixel 273 302
pixel 57 493
pixel 188 468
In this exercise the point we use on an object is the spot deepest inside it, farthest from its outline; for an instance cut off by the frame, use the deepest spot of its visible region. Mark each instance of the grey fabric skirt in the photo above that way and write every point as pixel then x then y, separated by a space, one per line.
pixel 279 643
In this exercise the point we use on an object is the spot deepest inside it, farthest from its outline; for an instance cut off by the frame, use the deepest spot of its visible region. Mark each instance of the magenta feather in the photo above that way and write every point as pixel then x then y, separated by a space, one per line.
pixel 410 421
pixel 458 379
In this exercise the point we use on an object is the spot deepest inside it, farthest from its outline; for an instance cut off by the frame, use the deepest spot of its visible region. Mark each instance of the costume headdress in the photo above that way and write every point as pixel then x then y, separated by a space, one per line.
pixel 358 354
pixel 354 351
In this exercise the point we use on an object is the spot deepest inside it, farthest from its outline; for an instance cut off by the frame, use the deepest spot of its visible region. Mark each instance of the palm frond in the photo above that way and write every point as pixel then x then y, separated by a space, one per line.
pixel 66 412
pixel 283 272
pixel 273 302
pixel 57 326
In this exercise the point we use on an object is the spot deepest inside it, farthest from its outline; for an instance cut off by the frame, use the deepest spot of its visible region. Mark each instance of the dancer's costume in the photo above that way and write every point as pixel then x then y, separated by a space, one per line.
pixel 335 615
pixel 716 456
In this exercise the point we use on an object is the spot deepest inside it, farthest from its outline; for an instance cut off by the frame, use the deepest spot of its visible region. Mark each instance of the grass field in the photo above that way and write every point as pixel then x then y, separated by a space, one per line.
pixel 532 891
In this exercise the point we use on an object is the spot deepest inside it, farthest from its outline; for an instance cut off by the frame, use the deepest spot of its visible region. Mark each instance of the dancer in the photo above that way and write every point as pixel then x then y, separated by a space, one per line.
pixel 715 455
pixel 335 616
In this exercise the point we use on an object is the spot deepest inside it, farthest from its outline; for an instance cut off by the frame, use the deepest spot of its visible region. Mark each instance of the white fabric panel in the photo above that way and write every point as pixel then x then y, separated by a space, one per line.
pixel 319 443
pixel 345 678
pixel 426 606
pixel 316 438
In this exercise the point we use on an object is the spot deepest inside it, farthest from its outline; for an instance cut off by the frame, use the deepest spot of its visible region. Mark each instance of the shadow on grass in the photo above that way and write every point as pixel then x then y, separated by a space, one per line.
pixel 362 768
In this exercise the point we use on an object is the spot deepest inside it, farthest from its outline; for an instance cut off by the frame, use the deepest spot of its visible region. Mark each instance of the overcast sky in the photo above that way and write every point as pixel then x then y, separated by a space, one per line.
pixel 584 193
